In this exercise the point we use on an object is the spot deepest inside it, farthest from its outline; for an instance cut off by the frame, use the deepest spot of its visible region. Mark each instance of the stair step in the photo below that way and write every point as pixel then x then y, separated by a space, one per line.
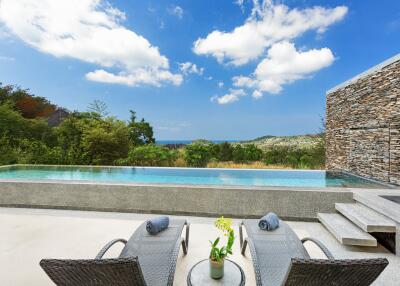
pixel 345 231
pixel 365 218
pixel 380 205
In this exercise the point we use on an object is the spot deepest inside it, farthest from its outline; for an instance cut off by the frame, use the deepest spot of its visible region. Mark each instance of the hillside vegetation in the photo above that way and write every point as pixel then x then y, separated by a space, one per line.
pixel 298 142
pixel 93 137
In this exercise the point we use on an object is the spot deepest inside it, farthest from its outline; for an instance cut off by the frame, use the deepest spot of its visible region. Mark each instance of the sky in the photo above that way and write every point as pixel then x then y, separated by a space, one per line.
pixel 220 70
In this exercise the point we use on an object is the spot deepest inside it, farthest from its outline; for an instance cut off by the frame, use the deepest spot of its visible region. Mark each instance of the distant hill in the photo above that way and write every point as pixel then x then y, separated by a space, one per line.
pixel 299 141
pixel 264 142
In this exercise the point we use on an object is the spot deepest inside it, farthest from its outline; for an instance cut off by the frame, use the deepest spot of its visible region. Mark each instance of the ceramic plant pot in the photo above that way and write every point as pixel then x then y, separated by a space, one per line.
pixel 216 269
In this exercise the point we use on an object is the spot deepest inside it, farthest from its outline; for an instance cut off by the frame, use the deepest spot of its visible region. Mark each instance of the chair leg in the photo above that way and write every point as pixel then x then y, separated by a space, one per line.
pixel 184 247
pixel 243 248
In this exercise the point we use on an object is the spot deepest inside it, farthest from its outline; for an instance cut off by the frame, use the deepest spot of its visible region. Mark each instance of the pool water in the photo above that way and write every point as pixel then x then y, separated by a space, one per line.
pixel 191 176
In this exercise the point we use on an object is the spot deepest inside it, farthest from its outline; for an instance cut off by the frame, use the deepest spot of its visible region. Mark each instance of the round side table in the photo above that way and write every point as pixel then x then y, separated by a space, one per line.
pixel 199 275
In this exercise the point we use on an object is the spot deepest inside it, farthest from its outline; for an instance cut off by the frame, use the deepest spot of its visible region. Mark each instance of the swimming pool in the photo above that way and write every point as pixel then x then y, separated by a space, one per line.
pixel 187 176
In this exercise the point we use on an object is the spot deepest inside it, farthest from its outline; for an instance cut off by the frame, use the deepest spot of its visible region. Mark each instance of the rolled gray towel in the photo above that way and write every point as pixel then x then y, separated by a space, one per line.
pixel 156 225
pixel 269 222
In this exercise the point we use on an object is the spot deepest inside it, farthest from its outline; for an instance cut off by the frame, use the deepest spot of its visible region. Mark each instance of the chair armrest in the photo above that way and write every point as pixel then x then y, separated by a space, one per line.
pixel 254 258
pixel 185 244
pixel 324 249
pixel 108 245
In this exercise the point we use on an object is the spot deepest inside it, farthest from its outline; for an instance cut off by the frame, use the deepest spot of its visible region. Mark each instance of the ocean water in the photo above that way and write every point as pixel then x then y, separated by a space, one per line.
pixel 191 176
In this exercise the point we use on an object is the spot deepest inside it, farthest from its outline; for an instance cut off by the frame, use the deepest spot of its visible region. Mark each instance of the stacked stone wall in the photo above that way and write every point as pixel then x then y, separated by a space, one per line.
pixel 363 125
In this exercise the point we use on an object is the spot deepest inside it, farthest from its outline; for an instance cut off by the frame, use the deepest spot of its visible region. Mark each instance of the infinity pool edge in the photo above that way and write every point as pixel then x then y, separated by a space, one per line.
pixel 294 203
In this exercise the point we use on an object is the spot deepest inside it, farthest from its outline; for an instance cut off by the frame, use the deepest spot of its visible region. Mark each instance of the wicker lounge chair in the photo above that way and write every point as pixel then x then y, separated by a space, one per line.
pixel 279 258
pixel 145 260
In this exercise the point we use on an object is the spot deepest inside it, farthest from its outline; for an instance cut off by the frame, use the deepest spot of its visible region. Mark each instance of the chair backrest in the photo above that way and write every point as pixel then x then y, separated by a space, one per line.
pixel 94 272
pixel 347 272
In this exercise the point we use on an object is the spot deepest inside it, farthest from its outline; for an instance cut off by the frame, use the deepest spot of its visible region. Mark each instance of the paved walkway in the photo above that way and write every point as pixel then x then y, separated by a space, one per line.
pixel 27 235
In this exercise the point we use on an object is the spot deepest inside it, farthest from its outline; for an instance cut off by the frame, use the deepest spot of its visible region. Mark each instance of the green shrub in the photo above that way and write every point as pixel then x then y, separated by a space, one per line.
pixel 198 154
pixel 149 155
pixel 246 153
pixel 36 152
pixel 8 155
pixel 302 158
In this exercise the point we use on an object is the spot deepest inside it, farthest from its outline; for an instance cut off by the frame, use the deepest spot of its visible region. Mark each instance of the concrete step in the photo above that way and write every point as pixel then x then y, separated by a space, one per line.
pixel 380 205
pixel 345 231
pixel 365 218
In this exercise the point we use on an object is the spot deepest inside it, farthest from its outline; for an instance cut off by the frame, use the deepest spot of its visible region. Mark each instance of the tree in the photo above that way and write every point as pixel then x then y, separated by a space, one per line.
pixel 140 133
pixel 27 104
pixel 252 153
pixel 105 141
pixel 99 107
pixel 16 127
pixel 238 154
pixel 225 151
pixel 12 124
pixel 85 139
pixel 69 134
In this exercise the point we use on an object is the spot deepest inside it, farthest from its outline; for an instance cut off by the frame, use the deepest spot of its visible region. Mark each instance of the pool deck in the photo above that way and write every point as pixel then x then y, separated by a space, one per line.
pixel 29 235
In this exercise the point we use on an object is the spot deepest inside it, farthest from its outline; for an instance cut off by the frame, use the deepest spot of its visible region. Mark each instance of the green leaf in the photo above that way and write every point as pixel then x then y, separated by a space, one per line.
pixel 216 242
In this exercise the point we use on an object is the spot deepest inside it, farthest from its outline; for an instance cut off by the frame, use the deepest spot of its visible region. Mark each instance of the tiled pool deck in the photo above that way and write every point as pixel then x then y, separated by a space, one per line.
pixel 27 235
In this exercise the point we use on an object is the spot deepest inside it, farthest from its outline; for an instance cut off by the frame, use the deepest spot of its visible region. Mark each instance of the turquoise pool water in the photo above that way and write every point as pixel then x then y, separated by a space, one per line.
pixel 238 177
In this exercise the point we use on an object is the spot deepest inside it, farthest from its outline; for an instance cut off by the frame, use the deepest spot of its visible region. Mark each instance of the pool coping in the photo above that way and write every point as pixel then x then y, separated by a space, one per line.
pixel 204 186
pixel 156 167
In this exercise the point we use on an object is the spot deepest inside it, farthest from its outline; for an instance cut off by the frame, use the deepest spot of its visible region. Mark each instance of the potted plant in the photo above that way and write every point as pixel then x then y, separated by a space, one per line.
pixel 218 254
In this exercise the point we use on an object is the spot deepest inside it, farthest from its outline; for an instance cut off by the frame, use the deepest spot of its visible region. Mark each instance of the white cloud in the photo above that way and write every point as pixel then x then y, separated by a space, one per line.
pixel 135 77
pixel 176 11
pixel 240 81
pixel 283 65
pixel 239 2
pixel 188 68
pixel 90 31
pixel 257 94
pixel 220 84
pixel 232 96
pixel 268 24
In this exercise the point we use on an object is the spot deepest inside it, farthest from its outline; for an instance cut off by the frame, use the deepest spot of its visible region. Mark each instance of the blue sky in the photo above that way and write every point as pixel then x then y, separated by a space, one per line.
pixel 196 69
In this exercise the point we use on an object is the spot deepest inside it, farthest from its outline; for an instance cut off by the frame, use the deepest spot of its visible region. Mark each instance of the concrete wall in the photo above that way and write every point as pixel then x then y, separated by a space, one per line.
pixel 363 124
pixel 290 203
